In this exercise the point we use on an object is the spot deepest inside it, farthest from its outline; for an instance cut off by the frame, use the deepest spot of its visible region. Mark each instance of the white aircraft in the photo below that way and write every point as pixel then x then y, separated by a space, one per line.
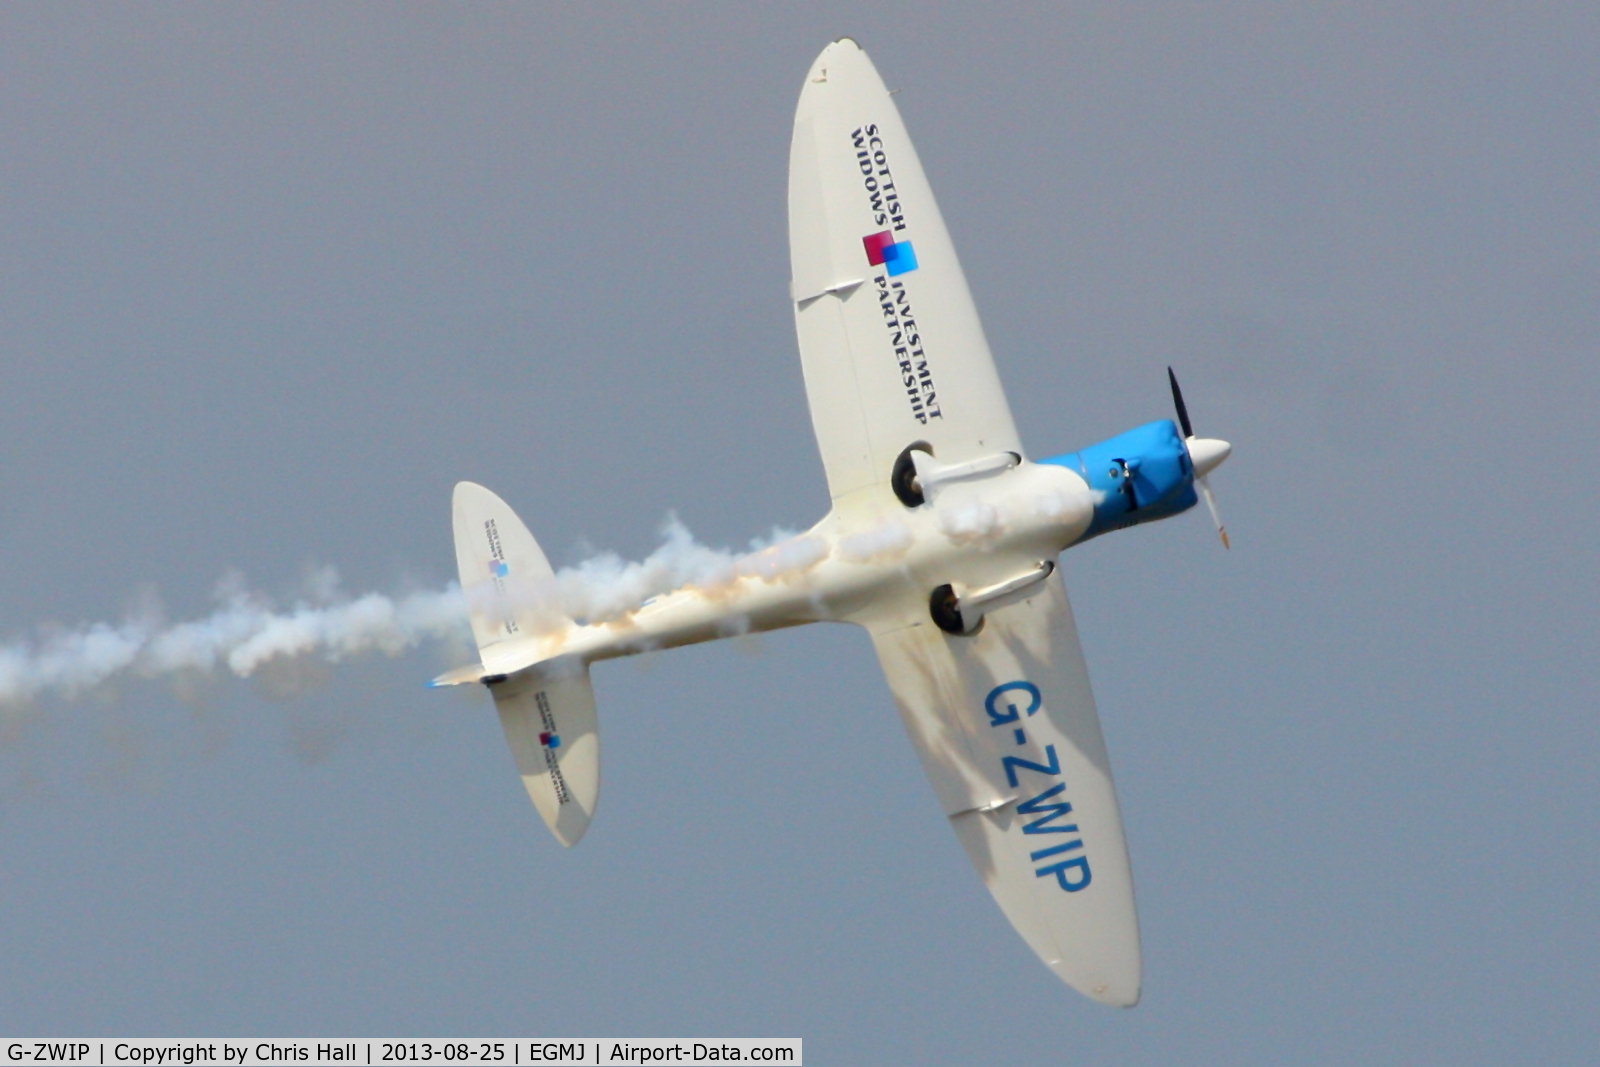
pixel 942 543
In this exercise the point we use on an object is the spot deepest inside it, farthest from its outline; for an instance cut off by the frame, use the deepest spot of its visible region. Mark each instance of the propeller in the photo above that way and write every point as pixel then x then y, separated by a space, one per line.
pixel 1205 454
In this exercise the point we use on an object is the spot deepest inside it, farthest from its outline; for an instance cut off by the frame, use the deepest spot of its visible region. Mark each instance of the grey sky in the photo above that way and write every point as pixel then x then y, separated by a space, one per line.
pixel 274 278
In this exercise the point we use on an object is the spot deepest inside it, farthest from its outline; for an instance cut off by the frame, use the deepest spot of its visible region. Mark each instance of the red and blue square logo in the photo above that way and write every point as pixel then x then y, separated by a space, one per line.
pixel 896 257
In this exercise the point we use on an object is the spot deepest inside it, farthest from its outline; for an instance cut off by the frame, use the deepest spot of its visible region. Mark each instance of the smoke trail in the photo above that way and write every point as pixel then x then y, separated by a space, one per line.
pixel 605 586
pixel 247 632
pixel 241 636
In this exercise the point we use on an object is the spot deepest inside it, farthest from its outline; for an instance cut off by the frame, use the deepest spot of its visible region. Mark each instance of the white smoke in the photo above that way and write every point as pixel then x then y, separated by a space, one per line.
pixel 878 544
pixel 241 636
pixel 324 625
pixel 973 522
pixel 605 586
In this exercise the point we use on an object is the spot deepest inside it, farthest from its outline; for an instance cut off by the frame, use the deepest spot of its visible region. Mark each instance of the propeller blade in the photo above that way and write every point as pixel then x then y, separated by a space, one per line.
pixel 1211 503
pixel 1205 455
pixel 1177 400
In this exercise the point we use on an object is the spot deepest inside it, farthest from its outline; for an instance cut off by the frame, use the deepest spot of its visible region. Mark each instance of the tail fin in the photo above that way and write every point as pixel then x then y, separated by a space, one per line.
pixel 547 710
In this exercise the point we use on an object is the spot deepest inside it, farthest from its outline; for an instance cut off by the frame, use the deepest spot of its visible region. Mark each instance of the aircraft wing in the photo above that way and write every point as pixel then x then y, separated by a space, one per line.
pixel 1005 724
pixel 890 341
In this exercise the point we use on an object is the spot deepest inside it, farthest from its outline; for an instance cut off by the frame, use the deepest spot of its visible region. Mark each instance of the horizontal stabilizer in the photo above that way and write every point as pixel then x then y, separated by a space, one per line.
pixel 505 577
pixel 549 717
pixel 547 710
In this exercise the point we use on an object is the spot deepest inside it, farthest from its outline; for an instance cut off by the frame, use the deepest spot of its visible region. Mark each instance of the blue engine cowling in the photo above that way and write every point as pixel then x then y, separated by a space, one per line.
pixel 1138 476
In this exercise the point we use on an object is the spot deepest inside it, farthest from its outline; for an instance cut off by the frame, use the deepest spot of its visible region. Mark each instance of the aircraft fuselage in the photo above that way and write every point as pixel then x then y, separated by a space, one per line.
pixel 987 534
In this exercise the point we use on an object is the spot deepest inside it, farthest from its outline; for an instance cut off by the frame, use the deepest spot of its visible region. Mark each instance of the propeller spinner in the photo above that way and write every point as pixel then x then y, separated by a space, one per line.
pixel 1205 453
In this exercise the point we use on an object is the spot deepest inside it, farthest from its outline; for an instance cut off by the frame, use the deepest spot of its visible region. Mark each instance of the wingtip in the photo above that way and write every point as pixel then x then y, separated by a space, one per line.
pixel 1113 996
